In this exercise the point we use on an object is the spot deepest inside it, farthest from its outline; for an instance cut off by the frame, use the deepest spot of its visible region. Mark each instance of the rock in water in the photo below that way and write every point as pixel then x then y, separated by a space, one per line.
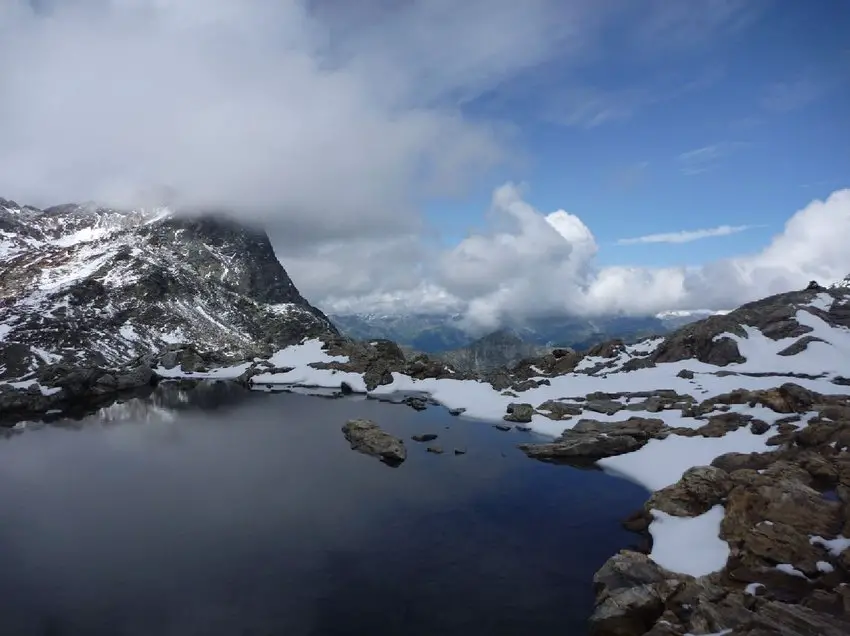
pixel 366 437
pixel 425 437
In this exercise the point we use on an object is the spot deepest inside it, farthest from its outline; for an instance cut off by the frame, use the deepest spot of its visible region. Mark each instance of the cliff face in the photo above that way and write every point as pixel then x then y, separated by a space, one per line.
pixel 89 285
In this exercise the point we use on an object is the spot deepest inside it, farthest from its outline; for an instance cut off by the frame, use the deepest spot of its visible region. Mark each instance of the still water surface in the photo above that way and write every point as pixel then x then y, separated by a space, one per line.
pixel 220 513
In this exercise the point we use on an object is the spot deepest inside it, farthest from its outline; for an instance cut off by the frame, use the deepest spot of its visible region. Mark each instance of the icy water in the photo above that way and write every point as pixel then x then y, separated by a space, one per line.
pixel 219 513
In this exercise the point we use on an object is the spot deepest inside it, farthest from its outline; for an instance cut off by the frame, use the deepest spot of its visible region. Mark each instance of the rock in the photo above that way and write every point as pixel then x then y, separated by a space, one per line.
pixel 437 450
pixel 427 437
pixel 345 388
pixel 457 412
pixel 522 429
pixel 366 437
pixel 582 447
pixel 638 521
pixel 759 498
pixel 759 427
pixel 788 398
pixel 685 374
pixel 460 451
pixel 502 427
pixel 556 410
pixel 814 286
pixel 631 591
pixel 519 413
pixel 700 489
pixel 607 407
pixel 731 462
pixel 797 620
pixel 416 403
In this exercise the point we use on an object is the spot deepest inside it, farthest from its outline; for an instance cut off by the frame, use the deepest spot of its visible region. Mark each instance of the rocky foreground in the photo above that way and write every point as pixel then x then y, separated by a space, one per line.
pixel 786 516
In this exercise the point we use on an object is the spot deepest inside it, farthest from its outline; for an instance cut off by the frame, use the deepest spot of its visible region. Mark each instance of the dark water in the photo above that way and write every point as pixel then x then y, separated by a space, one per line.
pixel 251 516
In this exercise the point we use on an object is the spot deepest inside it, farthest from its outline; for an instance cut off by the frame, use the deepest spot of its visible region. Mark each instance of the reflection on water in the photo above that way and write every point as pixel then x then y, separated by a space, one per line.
pixel 220 512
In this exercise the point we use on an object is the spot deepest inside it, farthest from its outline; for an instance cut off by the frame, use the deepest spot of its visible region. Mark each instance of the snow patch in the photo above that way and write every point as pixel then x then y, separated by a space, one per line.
pixel 689 545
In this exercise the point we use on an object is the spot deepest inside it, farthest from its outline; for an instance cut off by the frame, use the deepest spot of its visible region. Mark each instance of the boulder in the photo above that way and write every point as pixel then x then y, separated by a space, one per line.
pixel 700 489
pixel 519 413
pixel 366 437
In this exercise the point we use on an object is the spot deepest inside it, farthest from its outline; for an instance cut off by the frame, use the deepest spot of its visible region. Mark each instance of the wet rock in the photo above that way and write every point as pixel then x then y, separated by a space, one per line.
pixel 502 427
pixel 583 446
pixel 436 450
pixel 426 437
pixel 460 451
pixel 416 403
pixel 366 437
pixel 685 374
pixel 457 412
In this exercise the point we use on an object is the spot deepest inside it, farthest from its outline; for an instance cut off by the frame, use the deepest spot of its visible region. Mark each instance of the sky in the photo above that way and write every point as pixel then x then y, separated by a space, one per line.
pixel 493 158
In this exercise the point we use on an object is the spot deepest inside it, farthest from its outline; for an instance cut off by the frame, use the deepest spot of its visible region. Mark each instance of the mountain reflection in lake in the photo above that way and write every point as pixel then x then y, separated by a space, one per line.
pixel 218 512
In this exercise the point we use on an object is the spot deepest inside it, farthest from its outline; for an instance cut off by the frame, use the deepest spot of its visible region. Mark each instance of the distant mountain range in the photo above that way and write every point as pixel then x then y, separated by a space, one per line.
pixel 438 333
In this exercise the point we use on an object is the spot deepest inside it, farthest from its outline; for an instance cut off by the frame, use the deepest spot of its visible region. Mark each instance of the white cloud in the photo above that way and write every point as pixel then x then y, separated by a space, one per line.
pixel 686 236
pixel 532 263
pixel 332 118
pixel 699 160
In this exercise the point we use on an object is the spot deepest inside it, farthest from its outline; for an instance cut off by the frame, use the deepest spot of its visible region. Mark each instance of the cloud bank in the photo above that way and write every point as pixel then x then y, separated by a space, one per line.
pixel 531 263
pixel 329 118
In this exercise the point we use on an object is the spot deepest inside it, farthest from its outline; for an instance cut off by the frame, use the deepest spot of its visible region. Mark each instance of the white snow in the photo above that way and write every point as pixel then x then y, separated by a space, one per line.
pixel 720 633
pixel 825 567
pixel 220 373
pixel 822 301
pixel 753 588
pixel 689 545
pixel 661 462
pixel 5 329
pixel 128 332
pixel 834 546
pixel 85 235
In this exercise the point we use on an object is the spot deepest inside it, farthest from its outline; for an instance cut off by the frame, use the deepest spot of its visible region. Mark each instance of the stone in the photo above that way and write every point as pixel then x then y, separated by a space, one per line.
pixel 519 413
pixel 556 410
pixel 436 450
pixel 700 489
pixel 631 591
pixel 366 437
pixel 427 437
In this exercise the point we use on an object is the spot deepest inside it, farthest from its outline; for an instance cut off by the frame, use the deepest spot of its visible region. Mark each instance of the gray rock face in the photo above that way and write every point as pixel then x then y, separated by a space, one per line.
pixel 366 437
pixel 99 287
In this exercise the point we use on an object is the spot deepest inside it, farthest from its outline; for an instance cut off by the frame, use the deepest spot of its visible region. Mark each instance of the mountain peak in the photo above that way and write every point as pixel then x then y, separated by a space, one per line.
pixel 102 286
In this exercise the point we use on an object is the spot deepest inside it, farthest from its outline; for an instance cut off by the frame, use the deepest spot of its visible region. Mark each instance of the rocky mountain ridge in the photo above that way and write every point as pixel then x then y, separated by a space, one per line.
pixel 94 287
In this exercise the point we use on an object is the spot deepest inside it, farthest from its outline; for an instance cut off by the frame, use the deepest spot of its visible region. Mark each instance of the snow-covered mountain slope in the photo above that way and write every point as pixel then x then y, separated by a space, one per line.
pixel 95 286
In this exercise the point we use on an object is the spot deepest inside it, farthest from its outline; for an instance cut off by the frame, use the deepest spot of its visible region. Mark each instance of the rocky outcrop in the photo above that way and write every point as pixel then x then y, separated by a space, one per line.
pixel 590 440
pixel 366 437
pixel 782 509
pixel 775 317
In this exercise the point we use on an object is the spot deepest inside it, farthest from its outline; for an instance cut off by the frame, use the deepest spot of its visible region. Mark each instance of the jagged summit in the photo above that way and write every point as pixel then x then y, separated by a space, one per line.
pixel 94 285
pixel 844 283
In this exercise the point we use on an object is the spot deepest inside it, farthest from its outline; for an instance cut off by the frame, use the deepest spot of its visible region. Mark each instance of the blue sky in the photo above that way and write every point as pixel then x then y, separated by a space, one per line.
pixel 762 108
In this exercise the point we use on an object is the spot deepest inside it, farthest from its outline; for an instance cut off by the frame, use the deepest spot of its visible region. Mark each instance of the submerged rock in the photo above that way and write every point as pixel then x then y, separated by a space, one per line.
pixel 425 437
pixel 366 437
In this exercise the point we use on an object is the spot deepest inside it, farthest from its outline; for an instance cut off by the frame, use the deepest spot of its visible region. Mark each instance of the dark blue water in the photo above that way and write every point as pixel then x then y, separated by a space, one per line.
pixel 249 515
